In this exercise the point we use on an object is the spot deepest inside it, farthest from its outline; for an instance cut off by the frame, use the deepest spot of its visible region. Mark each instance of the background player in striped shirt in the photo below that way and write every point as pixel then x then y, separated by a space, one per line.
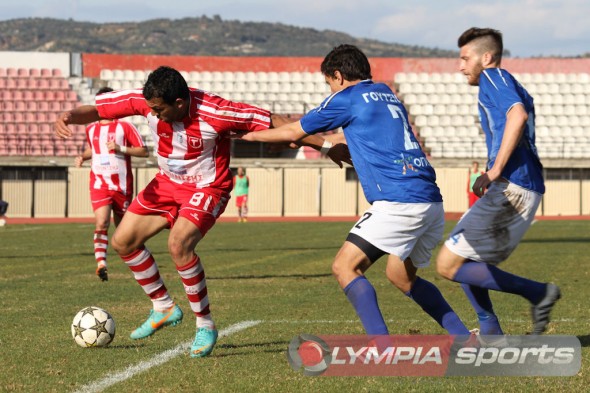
pixel 488 233
pixel 111 144
pixel 406 217
pixel 191 129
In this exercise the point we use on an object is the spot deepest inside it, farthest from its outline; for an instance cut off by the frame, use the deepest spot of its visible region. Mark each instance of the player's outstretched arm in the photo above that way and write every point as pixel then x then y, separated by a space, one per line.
pixel 81 115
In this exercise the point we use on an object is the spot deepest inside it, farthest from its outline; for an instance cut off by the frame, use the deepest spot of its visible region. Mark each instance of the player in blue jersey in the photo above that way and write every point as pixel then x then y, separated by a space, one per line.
pixel 488 233
pixel 406 218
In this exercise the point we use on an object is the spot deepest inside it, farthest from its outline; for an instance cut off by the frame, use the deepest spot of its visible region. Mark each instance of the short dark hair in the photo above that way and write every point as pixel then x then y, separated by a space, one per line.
pixel 166 83
pixel 489 40
pixel 103 90
pixel 349 60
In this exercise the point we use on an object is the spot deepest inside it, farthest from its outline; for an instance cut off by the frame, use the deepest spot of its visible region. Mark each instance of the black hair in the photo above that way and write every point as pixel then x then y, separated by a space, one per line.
pixel 349 60
pixel 166 83
pixel 103 90
pixel 489 40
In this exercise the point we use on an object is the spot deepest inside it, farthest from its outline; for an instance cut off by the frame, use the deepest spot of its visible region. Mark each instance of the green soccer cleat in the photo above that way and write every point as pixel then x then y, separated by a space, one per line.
pixel 156 321
pixel 205 340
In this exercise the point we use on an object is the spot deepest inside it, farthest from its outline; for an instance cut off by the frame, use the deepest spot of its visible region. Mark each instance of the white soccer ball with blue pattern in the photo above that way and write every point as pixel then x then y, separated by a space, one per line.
pixel 93 327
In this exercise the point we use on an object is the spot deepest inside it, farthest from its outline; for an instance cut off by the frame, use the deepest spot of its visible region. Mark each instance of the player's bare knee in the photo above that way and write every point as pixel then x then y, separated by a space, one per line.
pixel 121 248
pixel 445 269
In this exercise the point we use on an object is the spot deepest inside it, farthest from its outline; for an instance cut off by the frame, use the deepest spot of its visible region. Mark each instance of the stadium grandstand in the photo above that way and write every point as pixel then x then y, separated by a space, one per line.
pixel 35 87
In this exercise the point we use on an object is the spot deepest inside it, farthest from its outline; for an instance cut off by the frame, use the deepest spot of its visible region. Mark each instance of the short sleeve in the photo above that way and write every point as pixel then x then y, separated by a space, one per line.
pixel 334 112
pixel 499 87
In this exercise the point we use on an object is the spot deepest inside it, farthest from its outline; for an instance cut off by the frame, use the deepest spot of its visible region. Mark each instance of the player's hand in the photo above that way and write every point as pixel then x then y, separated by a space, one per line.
pixel 339 153
pixel 482 183
pixel 79 161
pixel 61 125
pixel 112 146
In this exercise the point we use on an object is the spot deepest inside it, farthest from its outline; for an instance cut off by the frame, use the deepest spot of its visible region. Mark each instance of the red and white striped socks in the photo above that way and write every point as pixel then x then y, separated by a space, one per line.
pixel 146 273
pixel 101 243
pixel 195 286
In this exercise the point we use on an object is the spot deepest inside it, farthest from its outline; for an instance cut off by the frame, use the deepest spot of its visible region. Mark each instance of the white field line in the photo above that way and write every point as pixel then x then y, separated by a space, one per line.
pixel 157 360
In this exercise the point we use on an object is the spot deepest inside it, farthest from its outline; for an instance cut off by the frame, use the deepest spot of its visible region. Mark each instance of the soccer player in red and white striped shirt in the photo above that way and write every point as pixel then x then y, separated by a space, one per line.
pixel 191 131
pixel 111 144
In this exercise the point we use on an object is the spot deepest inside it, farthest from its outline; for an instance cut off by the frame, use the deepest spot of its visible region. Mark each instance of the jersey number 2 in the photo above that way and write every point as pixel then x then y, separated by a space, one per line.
pixel 366 216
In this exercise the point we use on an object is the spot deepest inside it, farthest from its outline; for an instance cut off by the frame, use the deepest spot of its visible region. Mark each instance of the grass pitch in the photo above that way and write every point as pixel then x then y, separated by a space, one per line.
pixel 275 273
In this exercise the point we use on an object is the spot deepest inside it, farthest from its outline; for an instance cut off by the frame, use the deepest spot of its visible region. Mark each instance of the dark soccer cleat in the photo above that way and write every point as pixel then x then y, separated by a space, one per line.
pixel 540 311
pixel 102 273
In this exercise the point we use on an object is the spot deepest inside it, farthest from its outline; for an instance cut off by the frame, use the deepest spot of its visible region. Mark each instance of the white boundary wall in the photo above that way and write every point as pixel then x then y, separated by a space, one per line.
pixel 39 60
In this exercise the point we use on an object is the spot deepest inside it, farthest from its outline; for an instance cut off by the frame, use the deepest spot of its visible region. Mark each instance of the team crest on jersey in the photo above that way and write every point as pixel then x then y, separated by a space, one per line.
pixel 406 162
pixel 195 142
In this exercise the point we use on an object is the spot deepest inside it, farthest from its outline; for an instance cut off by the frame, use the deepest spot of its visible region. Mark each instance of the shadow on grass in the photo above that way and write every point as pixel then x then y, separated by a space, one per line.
pixel 263 276
pixel 584 340
pixel 249 348
pixel 259 249
pixel 45 256
pixel 558 240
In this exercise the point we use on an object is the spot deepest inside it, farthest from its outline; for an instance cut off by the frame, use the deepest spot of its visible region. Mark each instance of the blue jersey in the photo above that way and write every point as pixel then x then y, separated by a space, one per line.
pixel 387 157
pixel 498 93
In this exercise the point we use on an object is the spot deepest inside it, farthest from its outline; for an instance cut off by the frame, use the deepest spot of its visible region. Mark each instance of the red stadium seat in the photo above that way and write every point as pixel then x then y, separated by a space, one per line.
pixel 17 95
pixel 55 106
pixel 20 106
pixel 28 95
pixel 34 73
pixel 22 84
pixel 8 106
pixel 56 72
pixel 19 117
pixel 45 129
pixel 31 116
pixel 43 106
pixel 39 95
pixel 32 128
pixel 45 73
pixel 32 84
pixel 11 84
pixel 11 72
pixel 2 83
pixel 60 95
pixel 43 84
pixel 2 72
pixel 23 72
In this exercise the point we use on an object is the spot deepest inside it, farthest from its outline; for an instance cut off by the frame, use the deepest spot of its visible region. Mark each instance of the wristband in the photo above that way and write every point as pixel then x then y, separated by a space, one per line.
pixel 326 147
pixel 123 149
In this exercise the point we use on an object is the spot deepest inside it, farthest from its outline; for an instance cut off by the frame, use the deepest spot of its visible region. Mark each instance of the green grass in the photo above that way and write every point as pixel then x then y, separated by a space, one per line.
pixel 278 273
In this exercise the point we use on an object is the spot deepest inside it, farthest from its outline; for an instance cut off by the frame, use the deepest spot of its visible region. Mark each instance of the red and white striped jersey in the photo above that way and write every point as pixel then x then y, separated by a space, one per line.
pixel 197 149
pixel 110 170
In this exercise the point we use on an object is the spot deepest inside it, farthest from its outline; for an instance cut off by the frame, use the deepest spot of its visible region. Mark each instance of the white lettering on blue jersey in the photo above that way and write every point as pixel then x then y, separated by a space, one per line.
pixel 388 159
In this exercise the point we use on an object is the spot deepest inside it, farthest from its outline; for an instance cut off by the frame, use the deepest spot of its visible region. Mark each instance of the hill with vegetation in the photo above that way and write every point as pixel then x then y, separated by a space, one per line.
pixel 200 36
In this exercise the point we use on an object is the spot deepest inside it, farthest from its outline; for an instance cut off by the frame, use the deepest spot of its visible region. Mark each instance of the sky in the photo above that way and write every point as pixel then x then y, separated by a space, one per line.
pixel 530 27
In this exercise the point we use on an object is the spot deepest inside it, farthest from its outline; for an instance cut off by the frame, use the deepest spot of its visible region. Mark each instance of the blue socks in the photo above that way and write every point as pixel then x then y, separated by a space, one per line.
pixel 486 276
pixel 434 304
pixel 363 298
pixel 481 302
